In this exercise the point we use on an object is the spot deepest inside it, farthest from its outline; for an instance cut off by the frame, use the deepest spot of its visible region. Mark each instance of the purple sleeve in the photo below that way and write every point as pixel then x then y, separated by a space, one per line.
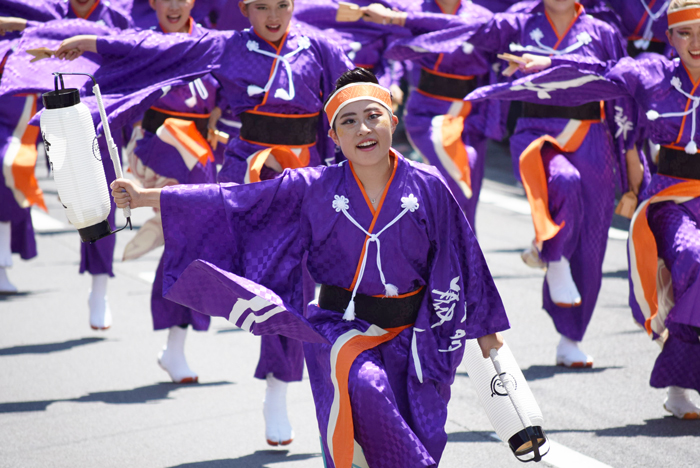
pixel 252 230
pixel 460 293
pixel 36 10
pixel 489 33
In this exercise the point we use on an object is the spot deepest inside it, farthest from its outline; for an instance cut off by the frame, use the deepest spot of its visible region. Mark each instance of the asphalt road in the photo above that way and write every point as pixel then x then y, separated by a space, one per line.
pixel 73 397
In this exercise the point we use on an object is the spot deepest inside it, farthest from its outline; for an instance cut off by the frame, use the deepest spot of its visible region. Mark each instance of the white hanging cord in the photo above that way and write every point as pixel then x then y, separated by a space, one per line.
pixel 287 95
pixel 643 43
pixel 340 203
pixel 691 147
pixel 536 35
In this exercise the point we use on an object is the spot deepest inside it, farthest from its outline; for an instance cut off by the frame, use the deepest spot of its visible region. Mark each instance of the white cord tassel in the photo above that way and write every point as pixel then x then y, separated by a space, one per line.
pixel 691 147
pixel 340 203
pixel 349 314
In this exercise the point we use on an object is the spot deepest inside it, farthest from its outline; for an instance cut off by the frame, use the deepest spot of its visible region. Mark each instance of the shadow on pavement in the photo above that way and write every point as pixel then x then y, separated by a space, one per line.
pixel 624 274
pixel 533 373
pixel 134 396
pixel 473 436
pixel 662 427
pixel 259 459
pixel 47 347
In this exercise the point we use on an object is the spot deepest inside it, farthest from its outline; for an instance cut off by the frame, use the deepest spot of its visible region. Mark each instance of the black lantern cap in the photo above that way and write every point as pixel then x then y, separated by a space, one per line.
pixel 61 98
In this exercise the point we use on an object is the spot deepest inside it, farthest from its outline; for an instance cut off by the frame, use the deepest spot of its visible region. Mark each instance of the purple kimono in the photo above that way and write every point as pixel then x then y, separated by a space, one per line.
pixel 158 156
pixel 644 24
pixel 363 42
pixel 664 242
pixel 40 11
pixel 387 386
pixel 447 131
pixel 278 94
pixel 575 157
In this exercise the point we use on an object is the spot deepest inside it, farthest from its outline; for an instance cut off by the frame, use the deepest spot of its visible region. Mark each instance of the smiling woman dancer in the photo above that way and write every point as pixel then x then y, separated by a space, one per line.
pixel 664 241
pixel 388 332
pixel 274 77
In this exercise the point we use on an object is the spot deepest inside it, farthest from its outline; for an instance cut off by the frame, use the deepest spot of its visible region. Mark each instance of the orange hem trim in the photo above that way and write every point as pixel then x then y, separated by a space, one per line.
pixel 277 51
pixel 286 116
pixel 687 104
pixel 343 435
pixel 375 215
pixel 434 96
pixel 450 75
pixel 642 21
pixel 579 9
pixel 268 145
pixel 181 114
pixel 87 15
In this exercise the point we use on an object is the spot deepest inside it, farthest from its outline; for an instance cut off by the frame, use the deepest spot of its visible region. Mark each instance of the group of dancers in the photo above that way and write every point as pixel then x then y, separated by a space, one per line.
pixel 297 107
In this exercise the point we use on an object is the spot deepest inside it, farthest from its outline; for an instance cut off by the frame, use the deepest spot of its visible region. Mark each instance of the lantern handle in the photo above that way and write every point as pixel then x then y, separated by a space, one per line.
pixel 111 147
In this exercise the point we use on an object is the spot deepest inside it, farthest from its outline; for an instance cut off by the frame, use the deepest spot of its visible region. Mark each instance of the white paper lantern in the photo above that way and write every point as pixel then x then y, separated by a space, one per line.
pixel 72 147
pixel 508 401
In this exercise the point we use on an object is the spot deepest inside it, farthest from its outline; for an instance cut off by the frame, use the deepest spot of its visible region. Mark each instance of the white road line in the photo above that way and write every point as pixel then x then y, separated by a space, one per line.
pixel 521 206
pixel 561 456
pixel 45 223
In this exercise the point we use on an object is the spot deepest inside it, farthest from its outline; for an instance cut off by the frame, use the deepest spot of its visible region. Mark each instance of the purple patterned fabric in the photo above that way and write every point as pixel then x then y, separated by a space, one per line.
pixel 236 251
pixel 580 184
pixel 363 42
pixel 656 84
pixel 424 112
pixel 46 10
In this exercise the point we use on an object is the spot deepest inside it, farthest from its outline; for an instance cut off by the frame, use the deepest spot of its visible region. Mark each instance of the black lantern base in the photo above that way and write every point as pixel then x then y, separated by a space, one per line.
pixel 526 444
pixel 95 232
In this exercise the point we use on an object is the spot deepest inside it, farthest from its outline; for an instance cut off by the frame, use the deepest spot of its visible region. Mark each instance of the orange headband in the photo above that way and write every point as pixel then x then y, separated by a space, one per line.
pixel 684 16
pixel 356 92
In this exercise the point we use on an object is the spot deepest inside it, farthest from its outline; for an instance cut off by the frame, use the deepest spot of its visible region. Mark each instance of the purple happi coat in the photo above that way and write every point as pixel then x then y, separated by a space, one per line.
pixel 363 42
pixel 644 24
pixel 236 251
pixel 290 88
pixel 157 159
pixel 579 169
pixel 40 11
pixel 447 131
pixel 663 291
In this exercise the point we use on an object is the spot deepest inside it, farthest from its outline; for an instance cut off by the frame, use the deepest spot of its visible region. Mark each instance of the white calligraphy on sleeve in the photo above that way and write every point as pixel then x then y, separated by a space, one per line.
pixel 444 302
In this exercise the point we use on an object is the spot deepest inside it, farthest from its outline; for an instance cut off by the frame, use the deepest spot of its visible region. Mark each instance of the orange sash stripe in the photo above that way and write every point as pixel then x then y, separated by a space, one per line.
pixel 452 129
pixel 186 133
pixel 645 248
pixel 283 154
pixel 534 178
pixel 344 434
pixel 24 163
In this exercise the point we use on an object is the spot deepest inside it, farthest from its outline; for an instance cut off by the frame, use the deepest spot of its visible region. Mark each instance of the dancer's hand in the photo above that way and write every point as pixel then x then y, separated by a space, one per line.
pixel 378 13
pixel 535 63
pixel 488 342
pixel 74 47
pixel 9 24
pixel 128 194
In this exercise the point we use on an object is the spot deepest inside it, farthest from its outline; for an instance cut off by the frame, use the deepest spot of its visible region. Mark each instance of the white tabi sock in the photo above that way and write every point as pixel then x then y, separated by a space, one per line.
pixel 172 358
pixel 5 244
pixel 679 404
pixel 278 430
pixel 569 354
pixel 562 288
pixel 100 315
pixel 5 258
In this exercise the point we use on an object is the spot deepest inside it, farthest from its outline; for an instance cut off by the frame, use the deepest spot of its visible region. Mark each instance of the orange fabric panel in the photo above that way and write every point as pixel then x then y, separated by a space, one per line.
pixel 534 179
pixel 283 154
pixel 186 133
pixel 344 434
pixel 24 164
pixel 645 248
pixel 452 129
